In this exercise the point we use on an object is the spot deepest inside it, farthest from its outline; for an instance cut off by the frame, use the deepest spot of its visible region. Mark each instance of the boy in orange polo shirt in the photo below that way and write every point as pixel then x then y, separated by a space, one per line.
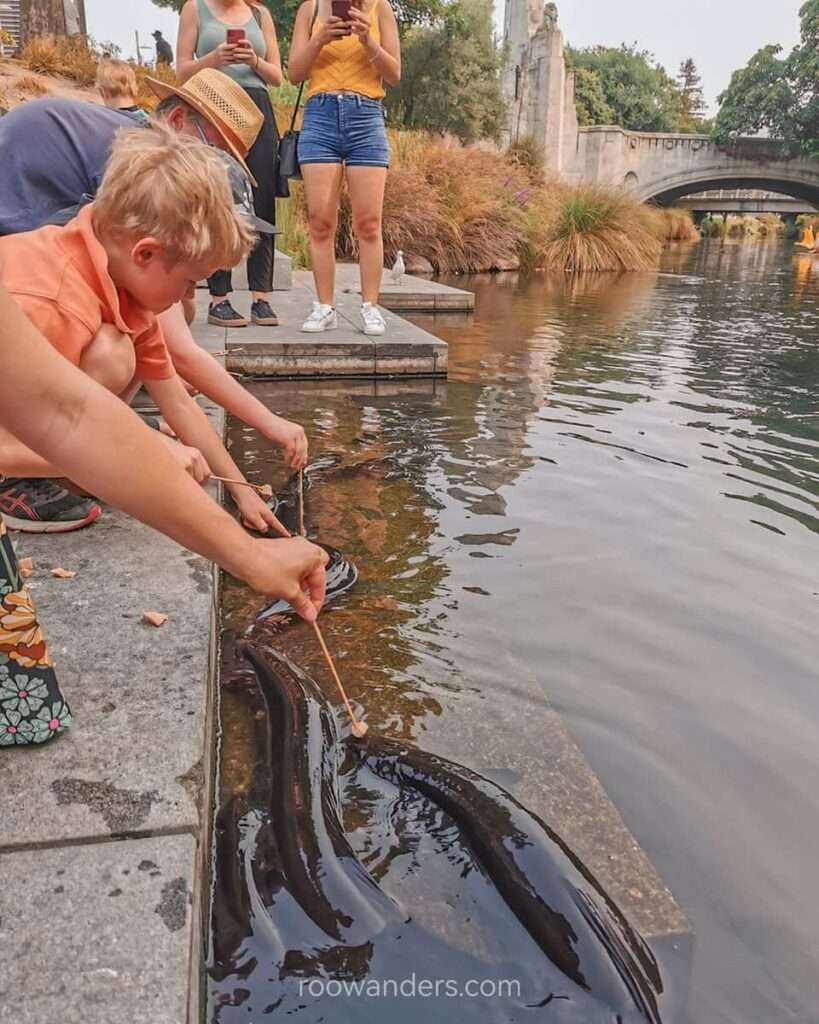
pixel 163 219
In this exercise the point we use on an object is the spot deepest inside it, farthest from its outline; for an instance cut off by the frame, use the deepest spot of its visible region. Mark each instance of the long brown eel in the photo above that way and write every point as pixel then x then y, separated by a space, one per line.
pixel 301 850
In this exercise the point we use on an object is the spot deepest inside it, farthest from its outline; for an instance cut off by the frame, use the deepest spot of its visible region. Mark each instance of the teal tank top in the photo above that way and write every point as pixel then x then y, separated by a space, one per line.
pixel 213 32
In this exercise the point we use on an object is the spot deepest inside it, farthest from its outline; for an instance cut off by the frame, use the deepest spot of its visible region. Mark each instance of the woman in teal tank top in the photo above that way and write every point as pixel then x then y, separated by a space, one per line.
pixel 255 64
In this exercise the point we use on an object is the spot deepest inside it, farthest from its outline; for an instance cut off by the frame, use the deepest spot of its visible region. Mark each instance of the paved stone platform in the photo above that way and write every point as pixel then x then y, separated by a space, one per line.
pixel 413 294
pixel 283 351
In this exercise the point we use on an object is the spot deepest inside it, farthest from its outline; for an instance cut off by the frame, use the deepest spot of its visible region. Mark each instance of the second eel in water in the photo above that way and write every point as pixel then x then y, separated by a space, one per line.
pixel 562 906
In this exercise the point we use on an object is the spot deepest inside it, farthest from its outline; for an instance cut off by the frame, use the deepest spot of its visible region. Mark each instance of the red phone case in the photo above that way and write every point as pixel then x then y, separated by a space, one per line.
pixel 341 9
pixel 235 35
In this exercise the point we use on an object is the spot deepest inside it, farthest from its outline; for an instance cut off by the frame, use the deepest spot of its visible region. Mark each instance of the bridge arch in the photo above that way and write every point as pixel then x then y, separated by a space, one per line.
pixel 667 191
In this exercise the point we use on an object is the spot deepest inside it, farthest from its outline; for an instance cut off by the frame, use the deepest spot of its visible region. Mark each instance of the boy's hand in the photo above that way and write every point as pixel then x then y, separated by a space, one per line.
pixel 254 511
pixel 292 439
pixel 191 459
pixel 290 569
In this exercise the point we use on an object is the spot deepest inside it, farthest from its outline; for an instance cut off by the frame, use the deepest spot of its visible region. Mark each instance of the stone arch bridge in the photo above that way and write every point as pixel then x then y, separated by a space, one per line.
pixel 664 168
pixel 538 90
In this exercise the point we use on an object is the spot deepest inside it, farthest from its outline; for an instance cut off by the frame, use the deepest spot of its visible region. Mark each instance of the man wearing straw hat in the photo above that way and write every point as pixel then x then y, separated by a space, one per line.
pixel 54 156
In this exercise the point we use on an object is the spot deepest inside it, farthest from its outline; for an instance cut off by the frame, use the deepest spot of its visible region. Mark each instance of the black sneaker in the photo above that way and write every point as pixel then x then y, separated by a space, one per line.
pixel 262 315
pixel 222 314
pixel 42 506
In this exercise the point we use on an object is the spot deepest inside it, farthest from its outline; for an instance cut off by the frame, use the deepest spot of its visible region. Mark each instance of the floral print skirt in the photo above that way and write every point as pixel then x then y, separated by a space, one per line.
pixel 32 708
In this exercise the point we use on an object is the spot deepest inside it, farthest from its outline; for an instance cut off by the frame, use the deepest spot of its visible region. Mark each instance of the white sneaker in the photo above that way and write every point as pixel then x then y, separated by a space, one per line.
pixel 372 319
pixel 322 318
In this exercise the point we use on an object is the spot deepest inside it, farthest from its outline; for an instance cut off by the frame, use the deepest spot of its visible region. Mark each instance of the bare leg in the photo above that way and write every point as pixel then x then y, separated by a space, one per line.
pixel 366 185
pixel 322 184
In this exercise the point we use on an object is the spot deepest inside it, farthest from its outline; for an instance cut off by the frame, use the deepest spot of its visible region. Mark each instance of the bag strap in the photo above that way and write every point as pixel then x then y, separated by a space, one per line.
pixel 301 87
pixel 257 14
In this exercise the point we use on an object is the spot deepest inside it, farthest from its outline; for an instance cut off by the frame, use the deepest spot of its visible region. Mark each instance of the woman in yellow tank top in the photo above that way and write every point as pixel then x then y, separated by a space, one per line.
pixel 347 53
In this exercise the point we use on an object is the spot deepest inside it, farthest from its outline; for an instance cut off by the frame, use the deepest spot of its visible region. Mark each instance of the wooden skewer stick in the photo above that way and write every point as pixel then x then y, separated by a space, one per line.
pixel 359 728
pixel 302 531
pixel 265 490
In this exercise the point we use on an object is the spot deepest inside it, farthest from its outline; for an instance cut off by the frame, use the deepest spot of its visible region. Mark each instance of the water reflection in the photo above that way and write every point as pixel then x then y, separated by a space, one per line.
pixel 611 506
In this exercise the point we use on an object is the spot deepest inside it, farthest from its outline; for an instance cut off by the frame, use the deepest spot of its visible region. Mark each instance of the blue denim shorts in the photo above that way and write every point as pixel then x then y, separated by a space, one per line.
pixel 343 128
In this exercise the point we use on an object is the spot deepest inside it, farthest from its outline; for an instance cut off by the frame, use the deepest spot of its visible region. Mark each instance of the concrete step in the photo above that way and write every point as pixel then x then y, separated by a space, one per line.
pixel 405 350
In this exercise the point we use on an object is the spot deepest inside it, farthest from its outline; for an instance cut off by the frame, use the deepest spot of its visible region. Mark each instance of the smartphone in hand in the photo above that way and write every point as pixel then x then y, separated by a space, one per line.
pixel 237 35
pixel 341 9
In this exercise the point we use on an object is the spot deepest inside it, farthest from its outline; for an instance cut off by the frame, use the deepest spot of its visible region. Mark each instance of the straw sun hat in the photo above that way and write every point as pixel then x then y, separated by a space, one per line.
pixel 224 104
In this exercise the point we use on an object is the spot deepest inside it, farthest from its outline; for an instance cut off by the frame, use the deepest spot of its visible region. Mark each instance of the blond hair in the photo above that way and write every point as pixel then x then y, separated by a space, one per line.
pixel 116 80
pixel 173 188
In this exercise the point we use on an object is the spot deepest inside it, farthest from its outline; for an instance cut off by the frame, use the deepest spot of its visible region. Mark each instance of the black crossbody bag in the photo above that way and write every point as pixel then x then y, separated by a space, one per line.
pixel 287 165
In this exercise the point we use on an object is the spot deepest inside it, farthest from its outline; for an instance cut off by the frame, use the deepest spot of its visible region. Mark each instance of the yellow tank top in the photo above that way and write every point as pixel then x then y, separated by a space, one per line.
pixel 342 66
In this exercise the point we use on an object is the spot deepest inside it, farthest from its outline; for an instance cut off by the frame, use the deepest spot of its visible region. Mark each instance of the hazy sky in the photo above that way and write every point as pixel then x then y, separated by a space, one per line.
pixel 719 34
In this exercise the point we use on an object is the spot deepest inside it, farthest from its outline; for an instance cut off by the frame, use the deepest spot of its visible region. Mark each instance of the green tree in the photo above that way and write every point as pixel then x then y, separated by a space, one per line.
pixel 638 93
pixel 590 99
pixel 690 87
pixel 450 75
pixel 408 13
pixel 777 94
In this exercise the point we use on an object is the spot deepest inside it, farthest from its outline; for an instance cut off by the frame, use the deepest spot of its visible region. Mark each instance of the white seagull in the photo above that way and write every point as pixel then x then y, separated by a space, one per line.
pixel 398 268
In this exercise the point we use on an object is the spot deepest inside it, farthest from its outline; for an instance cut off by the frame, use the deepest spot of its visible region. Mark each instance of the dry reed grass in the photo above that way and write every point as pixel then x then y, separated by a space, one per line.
pixel 32 86
pixel 76 58
pixel 676 225
pixel 69 56
pixel 145 97
pixel 770 224
pixel 457 207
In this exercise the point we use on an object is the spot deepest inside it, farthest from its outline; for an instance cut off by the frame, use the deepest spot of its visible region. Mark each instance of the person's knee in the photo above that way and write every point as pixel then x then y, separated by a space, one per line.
pixel 367 228
pixel 322 226
pixel 110 359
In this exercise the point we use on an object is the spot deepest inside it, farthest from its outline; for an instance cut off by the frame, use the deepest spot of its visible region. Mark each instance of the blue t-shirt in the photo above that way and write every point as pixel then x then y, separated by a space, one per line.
pixel 53 153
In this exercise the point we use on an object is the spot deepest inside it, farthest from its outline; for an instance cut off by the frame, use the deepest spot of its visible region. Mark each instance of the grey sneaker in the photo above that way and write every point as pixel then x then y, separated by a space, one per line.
pixel 372 319
pixel 222 314
pixel 322 318
pixel 43 506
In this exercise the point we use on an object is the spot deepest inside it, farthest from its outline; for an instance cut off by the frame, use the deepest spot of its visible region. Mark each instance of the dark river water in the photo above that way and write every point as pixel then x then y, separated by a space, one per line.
pixel 610 508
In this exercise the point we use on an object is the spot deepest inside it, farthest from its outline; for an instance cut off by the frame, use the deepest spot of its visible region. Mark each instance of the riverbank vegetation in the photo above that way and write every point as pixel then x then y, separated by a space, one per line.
pixel 456 209
pixel 761 225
